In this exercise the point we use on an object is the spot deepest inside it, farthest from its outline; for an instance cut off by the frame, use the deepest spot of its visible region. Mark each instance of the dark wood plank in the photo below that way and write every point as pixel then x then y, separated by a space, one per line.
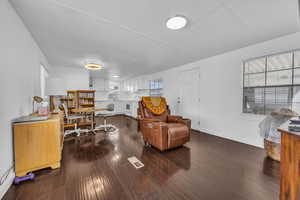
pixel 208 168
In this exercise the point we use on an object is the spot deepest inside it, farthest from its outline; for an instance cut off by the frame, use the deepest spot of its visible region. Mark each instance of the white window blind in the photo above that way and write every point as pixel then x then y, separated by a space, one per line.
pixel 156 87
pixel 271 82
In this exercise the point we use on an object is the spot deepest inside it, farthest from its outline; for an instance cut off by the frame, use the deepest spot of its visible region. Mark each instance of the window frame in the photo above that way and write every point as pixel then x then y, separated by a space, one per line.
pixel 159 82
pixel 43 80
pixel 265 86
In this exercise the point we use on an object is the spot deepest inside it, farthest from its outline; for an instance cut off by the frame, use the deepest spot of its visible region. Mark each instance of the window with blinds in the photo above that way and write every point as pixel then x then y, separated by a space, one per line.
pixel 155 87
pixel 272 82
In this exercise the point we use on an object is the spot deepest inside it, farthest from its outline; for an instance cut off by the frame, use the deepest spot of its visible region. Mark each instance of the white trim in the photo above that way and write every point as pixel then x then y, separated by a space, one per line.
pixel 234 139
pixel 43 80
pixel 272 54
pixel 6 185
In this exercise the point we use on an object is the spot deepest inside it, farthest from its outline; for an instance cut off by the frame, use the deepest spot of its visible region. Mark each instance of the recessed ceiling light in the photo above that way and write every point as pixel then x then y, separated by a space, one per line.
pixel 115 76
pixel 93 66
pixel 177 22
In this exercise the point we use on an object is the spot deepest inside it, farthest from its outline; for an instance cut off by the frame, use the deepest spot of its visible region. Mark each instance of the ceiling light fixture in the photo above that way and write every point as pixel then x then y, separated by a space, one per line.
pixel 176 23
pixel 115 76
pixel 93 66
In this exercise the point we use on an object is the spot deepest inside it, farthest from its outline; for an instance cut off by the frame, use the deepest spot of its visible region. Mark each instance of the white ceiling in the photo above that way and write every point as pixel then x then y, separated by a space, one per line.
pixel 130 37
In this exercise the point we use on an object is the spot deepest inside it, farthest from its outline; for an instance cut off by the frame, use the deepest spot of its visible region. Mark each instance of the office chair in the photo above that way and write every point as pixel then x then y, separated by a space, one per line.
pixel 70 119
pixel 105 114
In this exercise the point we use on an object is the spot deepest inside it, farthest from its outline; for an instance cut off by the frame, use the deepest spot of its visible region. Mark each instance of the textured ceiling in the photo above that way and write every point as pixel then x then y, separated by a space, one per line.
pixel 130 37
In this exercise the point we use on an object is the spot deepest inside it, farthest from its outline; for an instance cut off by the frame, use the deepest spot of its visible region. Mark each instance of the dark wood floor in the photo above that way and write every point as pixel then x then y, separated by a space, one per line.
pixel 207 168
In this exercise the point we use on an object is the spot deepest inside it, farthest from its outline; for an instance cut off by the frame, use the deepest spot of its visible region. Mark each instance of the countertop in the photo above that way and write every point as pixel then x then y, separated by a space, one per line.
pixel 51 118
pixel 284 128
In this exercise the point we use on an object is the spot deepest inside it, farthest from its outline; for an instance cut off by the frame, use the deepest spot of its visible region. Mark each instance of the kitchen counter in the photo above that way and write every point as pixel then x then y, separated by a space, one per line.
pixel 127 107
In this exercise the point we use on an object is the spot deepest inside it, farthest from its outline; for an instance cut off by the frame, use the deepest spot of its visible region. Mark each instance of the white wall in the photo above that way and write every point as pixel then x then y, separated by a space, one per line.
pixel 20 60
pixel 221 90
pixel 62 79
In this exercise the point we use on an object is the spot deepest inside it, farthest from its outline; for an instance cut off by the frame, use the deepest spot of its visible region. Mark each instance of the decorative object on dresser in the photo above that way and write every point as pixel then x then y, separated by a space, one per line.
pixel 158 127
pixel 290 164
pixel 35 100
pixel 38 144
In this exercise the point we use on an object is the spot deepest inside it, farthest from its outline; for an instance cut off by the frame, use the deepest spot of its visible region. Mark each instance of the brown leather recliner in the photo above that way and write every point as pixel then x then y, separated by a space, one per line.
pixel 159 128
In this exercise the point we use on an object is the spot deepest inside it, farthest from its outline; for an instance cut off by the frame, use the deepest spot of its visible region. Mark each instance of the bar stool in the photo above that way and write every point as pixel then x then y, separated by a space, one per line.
pixel 105 114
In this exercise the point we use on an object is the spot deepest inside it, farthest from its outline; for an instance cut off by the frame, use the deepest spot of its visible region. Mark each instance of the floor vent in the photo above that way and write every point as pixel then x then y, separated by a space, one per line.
pixel 135 162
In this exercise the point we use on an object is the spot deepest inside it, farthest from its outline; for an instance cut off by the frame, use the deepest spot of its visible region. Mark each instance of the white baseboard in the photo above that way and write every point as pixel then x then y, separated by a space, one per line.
pixel 210 132
pixel 4 188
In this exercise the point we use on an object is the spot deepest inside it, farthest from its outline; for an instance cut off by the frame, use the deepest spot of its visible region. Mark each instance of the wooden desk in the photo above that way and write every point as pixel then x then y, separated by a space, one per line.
pixel 89 110
pixel 290 164
pixel 38 144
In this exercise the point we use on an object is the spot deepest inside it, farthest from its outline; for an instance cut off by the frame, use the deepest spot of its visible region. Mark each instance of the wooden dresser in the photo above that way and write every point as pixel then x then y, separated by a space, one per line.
pixel 38 145
pixel 290 164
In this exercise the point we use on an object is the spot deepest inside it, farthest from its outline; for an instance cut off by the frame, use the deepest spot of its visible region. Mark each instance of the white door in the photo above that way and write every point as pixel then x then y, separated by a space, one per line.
pixel 188 100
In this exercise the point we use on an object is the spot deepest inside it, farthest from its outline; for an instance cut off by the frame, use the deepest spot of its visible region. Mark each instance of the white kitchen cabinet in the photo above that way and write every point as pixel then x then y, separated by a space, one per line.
pixel 145 83
pixel 134 108
pixel 126 86
pixel 135 85
pixel 101 84
pixel 122 86
pixel 127 107
pixel 139 83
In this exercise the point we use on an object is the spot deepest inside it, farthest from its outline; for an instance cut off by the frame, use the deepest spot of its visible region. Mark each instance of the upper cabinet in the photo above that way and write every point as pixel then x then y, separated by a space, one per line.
pixel 103 85
pixel 136 84
pixel 130 85
pixel 143 83
pixel 124 86
pixel 100 85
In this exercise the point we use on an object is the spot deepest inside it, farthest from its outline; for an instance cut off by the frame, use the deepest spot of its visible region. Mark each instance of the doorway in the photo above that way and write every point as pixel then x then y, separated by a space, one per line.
pixel 188 101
